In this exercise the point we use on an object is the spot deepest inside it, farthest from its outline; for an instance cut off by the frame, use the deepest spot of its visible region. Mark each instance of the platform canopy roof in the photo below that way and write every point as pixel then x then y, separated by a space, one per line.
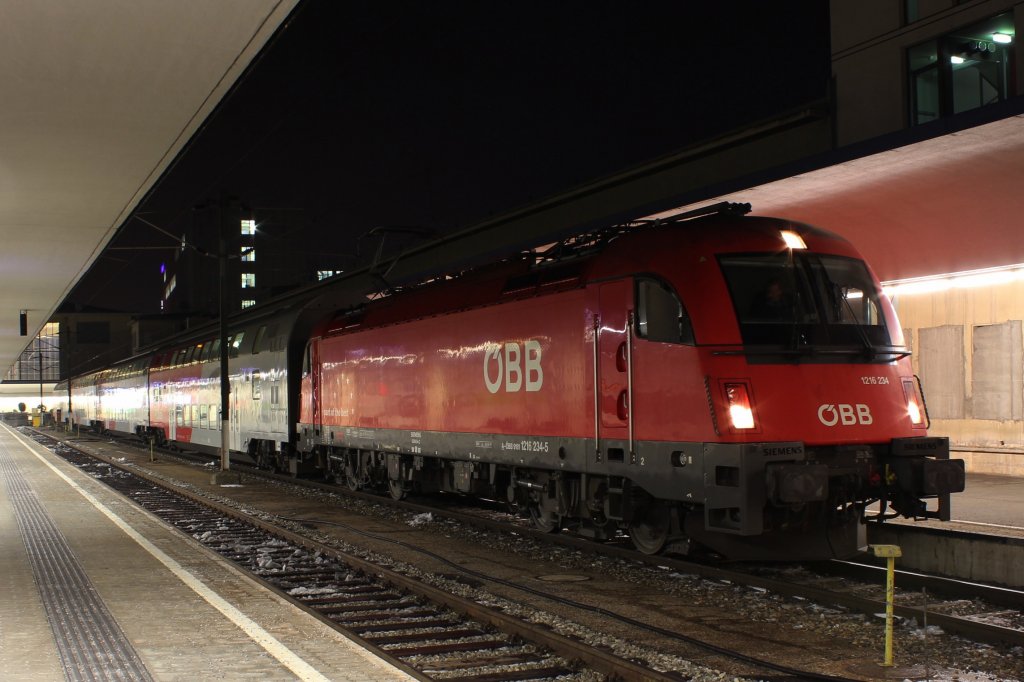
pixel 942 205
pixel 98 98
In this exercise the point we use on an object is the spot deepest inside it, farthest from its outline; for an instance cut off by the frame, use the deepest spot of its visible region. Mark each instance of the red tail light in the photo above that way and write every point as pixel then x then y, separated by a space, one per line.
pixel 741 413
pixel 915 404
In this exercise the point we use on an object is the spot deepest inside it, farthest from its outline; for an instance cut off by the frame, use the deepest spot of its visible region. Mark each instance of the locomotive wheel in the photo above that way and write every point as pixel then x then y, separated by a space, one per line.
pixel 544 522
pixel 264 459
pixel 396 489
pixel 649 530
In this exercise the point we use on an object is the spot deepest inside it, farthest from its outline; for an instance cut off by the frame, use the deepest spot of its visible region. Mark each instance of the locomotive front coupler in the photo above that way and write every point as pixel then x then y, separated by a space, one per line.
pixel 922 468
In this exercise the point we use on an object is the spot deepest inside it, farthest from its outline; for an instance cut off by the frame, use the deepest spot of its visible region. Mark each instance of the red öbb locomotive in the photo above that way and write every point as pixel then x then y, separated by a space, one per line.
pixel 733 383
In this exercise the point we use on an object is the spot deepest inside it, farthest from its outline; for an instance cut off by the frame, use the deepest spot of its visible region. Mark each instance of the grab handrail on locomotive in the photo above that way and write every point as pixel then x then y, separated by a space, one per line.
pixel 710 382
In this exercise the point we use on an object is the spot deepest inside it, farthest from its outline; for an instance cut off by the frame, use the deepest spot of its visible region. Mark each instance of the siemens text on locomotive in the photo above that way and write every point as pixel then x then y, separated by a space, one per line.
pixel 726 383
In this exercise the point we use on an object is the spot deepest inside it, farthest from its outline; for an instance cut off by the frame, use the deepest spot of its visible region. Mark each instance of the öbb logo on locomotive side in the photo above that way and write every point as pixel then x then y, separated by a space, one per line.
pixel 513 367
pixel 847 415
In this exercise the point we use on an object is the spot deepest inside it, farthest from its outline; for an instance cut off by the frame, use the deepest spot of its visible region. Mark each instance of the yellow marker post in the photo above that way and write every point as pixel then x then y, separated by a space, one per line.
pixel 889 553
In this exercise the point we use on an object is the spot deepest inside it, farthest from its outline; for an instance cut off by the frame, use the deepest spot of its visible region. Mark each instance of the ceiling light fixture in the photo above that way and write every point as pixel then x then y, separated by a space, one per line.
pixel 986 277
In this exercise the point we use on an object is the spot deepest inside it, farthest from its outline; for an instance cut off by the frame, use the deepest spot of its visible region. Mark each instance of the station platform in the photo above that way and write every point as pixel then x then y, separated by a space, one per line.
pixel 93 588
pixel 993 501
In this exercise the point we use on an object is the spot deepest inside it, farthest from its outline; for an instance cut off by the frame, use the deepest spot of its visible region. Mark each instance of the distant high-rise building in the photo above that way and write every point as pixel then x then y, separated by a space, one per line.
pixel 261 263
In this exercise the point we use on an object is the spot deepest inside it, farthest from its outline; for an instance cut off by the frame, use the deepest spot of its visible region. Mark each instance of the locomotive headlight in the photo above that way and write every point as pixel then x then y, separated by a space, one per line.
pixel 792 239
pixel 915 403
pixel 914 410
pixel 740 412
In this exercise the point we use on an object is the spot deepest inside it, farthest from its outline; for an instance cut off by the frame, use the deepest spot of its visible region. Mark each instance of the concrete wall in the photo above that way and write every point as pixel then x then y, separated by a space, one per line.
pixel 969 353
pixel 983 558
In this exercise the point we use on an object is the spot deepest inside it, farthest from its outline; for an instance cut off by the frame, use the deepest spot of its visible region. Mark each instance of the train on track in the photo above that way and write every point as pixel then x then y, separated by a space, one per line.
pixel 710 382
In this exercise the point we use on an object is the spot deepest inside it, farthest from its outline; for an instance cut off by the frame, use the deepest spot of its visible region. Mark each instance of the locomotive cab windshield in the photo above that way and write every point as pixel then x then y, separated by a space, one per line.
pixel 808 307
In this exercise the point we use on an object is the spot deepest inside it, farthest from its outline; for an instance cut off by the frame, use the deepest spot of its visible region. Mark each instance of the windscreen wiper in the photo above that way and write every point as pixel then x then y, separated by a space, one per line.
pixel 897 352
pixel 869 348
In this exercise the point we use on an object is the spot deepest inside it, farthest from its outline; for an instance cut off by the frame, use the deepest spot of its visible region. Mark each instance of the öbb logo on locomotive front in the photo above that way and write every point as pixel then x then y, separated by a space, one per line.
pixel 513 367
pixel 847 415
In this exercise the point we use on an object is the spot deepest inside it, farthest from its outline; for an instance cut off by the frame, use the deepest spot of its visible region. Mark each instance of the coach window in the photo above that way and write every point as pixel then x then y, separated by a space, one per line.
pixel 215 350
pixel 305 360
pixel 259 339
pixel 660 314
pixel 257 391
pixel 236 343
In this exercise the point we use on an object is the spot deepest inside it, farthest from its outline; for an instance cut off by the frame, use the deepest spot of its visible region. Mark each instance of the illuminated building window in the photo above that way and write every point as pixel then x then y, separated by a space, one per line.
pixel 963 70
pixel 248 227
pixel 169 289
pixel 324 274
pixel 248 280
pixel 248 302
pixel 248 253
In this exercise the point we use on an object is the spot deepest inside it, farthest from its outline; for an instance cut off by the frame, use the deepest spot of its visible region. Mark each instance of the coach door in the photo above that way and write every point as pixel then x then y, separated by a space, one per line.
pixel 613 360
pixel 312 374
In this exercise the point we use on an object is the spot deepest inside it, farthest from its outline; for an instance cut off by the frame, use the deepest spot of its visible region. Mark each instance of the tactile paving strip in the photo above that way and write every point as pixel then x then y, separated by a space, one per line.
pixel 91 644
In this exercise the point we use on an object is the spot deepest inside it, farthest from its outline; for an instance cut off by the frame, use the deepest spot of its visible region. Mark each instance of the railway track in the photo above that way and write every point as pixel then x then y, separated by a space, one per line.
pixel 411 624
pixel 984 614
pixel 807 585
pixel 979 612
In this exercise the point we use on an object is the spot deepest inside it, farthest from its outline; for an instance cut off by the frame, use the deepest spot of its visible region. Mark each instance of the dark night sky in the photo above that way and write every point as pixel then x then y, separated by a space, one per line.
pixel 440 114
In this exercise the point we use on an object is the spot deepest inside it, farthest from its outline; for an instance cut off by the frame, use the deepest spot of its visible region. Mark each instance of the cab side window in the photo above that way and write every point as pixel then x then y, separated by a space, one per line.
pixel 660 315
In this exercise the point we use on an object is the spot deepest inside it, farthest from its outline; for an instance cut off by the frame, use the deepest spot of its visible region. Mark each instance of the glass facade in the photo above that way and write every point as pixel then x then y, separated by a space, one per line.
pixel 42 357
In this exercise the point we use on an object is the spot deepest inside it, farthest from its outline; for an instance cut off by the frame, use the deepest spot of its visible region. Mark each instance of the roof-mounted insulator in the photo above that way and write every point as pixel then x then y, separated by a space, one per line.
pixel 727 207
